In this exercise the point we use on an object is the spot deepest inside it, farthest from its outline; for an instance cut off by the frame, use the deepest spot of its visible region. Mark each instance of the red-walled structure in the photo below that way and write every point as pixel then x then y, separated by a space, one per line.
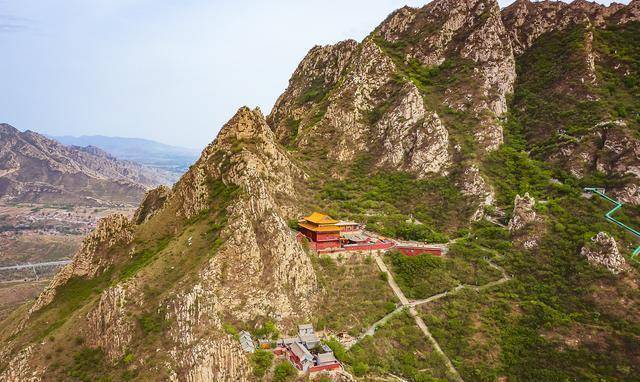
pixel 415 250
pixel 321 230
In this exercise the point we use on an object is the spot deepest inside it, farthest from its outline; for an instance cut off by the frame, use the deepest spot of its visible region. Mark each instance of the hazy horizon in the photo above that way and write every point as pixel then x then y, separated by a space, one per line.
pixel 172 72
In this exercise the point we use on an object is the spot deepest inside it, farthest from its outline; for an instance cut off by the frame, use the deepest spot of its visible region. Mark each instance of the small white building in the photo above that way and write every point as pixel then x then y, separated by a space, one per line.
pixel 246 342
pixel 305 329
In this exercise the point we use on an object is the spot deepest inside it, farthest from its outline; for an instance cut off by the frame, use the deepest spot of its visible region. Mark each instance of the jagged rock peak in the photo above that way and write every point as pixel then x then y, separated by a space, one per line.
pixel 603 251
pixel 523 212
pixel 153 202
pixel 93 256
pixel 461 31
pixel 435 25
pixel 6 128
pixel 245 124
pixel 244 149
pixel 318 72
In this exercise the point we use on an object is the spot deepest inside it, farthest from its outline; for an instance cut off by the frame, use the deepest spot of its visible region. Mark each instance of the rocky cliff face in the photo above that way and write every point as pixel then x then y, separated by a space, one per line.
pixel 471 31
pixel 256 268
pixel 611 149
pixel 93 257
pixel 525 225
pixel 425 94
pixel 526 20
pixel 37 169
pixel 569 114
pixel 403 96
pixel 153 201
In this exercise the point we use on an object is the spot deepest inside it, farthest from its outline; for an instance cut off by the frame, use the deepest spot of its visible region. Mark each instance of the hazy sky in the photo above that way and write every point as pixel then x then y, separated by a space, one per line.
pixel 169 70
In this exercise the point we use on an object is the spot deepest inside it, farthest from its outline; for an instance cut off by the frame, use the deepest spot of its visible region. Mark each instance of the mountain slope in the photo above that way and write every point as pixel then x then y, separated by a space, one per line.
pixel 581 115
pixel 415 132
pixel 37 169
pixel 146 152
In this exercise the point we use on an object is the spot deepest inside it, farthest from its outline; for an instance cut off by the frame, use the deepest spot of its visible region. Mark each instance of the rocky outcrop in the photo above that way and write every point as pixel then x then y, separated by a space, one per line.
pixel 474 32
pixel 315 76
pixel 260 269
pixel 93 257
pixel 20 368
pixel 523 212
pixel 603 251
pixel 257 233
pixel 525 226
pixel 221 359
pixel 344 120
pixel 34 168
pixel 413 139
pixel 367 110
pixel 610 148
pixel 473 185
pixel 109 324
pixel 152 203
pixel 628 14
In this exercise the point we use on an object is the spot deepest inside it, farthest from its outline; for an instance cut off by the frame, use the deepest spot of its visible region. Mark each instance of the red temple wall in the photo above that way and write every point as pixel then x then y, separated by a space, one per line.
pixel 415 251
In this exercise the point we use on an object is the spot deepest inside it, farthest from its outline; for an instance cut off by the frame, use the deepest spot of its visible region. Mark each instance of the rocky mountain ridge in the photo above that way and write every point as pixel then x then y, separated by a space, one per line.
pixel 426 94
pixel 38 169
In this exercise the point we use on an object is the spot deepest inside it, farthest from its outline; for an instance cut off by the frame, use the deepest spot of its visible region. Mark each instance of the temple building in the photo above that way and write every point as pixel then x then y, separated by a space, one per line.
pixel 322 230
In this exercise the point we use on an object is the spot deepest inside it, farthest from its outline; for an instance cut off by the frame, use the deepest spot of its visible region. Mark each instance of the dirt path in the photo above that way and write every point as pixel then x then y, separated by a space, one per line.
pixel 412 311
pixel 391 280
pixel 410 305
pixel 477 288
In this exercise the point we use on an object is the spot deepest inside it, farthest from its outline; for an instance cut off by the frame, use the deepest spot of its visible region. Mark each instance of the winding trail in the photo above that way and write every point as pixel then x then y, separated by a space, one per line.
pixel 405 304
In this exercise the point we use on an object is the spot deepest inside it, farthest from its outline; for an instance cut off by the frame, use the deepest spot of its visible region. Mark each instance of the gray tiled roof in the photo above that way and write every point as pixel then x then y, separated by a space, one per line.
pixel 326 358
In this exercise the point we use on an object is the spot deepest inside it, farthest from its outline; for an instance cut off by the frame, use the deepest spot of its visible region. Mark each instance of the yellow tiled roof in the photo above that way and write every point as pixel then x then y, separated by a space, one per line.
pixel 314 228
pixel 319 218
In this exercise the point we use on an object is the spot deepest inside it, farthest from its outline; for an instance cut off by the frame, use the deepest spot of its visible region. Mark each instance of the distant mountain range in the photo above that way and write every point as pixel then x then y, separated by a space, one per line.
pixel 34 168
pixel 144 151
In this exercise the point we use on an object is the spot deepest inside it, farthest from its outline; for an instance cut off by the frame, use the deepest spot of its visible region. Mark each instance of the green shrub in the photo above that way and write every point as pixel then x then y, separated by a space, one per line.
pixel 360 369
pixel 261 361
pixel 337 348
pixel 152 323
pixel 284 371
pixel 88 365
pixel 268 330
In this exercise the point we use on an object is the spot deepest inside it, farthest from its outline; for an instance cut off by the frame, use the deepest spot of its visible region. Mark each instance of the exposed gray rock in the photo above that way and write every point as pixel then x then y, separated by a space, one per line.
pixel 523 212
pixel 603 251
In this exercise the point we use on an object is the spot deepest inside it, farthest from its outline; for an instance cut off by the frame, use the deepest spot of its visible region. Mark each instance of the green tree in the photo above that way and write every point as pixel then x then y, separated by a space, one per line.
pixel 284 371
pixel 261 361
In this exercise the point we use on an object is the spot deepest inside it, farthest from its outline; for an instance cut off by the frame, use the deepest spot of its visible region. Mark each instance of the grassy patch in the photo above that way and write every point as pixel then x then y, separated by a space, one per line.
pixel 152 323
pixel 354 295
pixel 315 92
pixel 425 275
pixel 89 365
pixel 261 361
pixel 143 258
pixel 398 347
pixel 69 297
